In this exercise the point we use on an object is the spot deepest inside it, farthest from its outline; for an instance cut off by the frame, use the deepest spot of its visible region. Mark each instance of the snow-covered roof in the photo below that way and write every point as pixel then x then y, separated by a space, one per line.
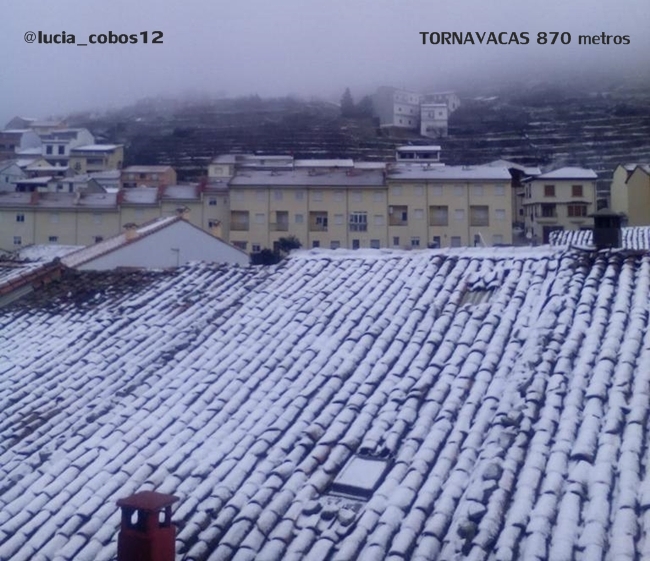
pixel 182 192
pixel 429 148
pixel 569 173
pixel 307 178
pixel 95 148
pixel 506 426
pixel 330 163
pixel 140 195
pixel 146 169
pixel 526 170
pixel 28 264
pixel 447 173
pixel 632 237
pixel 104 247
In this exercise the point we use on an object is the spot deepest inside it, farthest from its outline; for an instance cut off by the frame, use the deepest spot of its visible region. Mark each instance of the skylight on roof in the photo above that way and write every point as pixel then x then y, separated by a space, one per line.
pixel 360 477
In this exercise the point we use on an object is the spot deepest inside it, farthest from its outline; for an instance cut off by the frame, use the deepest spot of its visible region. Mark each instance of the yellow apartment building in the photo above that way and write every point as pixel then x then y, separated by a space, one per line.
pixel 324 207
pixel 559 200
pixel 630 193
pixel 85 218
pixel 95 158
pixel 409 207
pixel 449 206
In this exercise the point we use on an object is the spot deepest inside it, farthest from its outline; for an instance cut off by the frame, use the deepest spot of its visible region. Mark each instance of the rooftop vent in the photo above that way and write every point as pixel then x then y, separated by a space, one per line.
pixel 146 530
pixel 607 229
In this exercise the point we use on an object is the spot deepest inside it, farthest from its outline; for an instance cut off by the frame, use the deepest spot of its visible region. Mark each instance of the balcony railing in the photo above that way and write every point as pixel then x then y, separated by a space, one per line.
pixel 279 226
pixel 239 226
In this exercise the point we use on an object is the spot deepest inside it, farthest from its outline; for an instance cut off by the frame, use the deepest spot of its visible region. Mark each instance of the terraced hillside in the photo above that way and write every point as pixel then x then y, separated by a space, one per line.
pixel 543 125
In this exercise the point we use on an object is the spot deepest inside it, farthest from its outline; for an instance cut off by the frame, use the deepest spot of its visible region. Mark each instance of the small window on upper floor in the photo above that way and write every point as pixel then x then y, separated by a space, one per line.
pixel 576 191
pixel 549 190
pixel 212 201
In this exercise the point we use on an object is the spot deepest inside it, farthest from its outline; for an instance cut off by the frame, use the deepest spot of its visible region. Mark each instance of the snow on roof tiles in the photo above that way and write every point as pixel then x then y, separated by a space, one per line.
pixel 569 173
pixel 512 428
pixel 633 237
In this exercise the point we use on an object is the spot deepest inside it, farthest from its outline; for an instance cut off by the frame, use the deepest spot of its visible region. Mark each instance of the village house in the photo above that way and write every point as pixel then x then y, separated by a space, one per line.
pixel 630 193
pixel 561 199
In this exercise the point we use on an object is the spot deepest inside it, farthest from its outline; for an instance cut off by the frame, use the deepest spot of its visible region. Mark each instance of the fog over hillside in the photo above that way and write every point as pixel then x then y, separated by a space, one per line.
pixel 295 47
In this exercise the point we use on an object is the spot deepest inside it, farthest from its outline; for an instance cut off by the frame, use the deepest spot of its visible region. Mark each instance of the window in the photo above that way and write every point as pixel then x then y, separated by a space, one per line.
pixel 355 244
pixel 458 190
pixel 300 195
pixel 240 245
pixel 379 220
pixel 239 220
pixel 277 195
pixel 576 191
pixel 318 196
pixel 53 239
pixel 61 150
pixel 18 240
pixel 419 190
pixel 154 177
pixel 548 211
pixel 299 219
pixel 338 196
pixel 49 149
pixel 54 217
pixel 439 215
pixel 459 214
pixel 378 196
pixel 256 248
pixel 500 214
pixel 477 190
pixel 318 221
pixel 577 211
pixel 549 190
pixel 335 244
pixel 418 214
pixel 479 215
pixel 260 196
pixel 212 201
pixel 375 244
pixel 415 242
pixel 97 218
pixel 357 196
pixel 396 190
pixel 259 218
pixel 358 222
pixel 238 196
pixel 436 190
pixel 500 190
pixel 396 240
pixel 20 217
pixel 455 241
pixel 315 243
pixel 397 215
pixel 338 219
pixel 98 239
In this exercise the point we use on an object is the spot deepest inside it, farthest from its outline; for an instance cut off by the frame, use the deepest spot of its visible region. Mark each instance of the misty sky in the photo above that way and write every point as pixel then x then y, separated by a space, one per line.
pixel 304 47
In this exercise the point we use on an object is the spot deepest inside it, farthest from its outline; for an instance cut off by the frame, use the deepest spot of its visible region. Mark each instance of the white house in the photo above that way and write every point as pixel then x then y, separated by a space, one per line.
pixel 160 244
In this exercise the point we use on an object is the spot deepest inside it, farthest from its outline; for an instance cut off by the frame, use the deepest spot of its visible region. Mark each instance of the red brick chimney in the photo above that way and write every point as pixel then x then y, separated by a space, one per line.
pixel 146 531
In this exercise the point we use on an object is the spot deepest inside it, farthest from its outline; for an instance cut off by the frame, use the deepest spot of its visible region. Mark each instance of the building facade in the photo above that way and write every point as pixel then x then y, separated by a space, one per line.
pixel 630 193
pixel 559 200
pixel 148 176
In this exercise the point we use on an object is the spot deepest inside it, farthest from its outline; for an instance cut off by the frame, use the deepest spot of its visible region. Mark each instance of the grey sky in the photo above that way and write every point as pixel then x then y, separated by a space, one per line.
pixel 308 47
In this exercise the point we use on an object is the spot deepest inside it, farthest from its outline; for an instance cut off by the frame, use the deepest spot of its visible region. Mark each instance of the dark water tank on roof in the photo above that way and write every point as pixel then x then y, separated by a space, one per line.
pixel 607 229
